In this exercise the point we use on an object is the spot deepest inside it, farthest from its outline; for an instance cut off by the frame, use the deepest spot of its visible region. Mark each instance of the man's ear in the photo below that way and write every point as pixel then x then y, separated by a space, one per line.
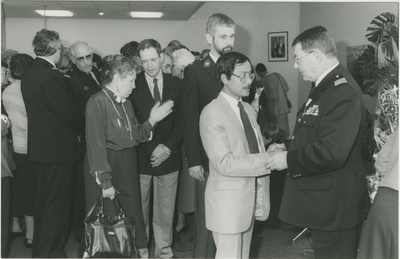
pixel 319 56
pixel 209 38
pixel 224 79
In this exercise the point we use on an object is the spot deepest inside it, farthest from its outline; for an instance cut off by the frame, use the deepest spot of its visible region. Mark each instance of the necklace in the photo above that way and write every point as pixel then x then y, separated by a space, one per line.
pixel 128 124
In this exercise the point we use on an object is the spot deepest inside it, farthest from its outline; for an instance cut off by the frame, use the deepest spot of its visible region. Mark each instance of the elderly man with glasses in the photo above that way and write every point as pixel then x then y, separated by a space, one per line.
pixel 84 80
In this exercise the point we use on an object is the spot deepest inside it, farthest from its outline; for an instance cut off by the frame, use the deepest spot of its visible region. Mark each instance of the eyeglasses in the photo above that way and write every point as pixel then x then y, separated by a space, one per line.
pixel 87 57
pixel 243 77
pixel 298 58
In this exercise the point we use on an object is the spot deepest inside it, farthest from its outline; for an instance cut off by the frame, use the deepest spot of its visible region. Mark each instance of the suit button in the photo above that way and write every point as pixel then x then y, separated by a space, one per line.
pixel 292 137
pixel 299 120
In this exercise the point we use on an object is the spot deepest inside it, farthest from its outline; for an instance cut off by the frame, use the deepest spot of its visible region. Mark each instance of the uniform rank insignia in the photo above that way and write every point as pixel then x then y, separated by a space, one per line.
pixel 207 63
pixel 340 80
pixel 313 110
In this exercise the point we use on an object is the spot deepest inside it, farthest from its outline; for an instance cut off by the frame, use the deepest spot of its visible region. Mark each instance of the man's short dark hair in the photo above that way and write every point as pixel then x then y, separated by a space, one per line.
pixel 97 59
pixel 44 43
pixel 130 49
pixel 218 19
pixel 317 38
pixel 18 64
pixel 261 68
pixel 227 62
pixel 149 43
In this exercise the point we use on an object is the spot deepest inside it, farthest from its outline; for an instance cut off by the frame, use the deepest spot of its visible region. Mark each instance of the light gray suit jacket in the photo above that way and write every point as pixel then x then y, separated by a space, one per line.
pixel 231 187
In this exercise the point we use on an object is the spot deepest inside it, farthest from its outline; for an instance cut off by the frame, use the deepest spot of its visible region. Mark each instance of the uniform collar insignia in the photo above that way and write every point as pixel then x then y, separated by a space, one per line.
pixel 207 63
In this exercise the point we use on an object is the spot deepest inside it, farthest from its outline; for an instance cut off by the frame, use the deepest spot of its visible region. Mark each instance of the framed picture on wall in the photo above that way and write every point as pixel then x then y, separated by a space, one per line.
pixel 278 46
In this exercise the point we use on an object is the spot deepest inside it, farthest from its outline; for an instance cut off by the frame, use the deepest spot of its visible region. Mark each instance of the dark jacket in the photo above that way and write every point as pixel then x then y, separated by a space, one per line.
pixel 200 86
pixel 52 117
pixel 326 188
pixel 167 132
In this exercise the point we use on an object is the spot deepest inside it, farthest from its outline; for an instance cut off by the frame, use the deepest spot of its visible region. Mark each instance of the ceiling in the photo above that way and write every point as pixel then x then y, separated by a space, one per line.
pixel 177 11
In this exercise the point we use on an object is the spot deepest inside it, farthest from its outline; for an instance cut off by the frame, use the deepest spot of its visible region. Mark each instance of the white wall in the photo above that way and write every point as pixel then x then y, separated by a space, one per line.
pixel 347 23
pixel 254 21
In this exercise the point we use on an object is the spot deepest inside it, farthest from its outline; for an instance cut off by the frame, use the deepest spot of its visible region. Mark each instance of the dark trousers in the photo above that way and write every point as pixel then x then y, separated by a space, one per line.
pixel 79 209
pixel 5 214
pixel 204 246
pixel 340 244
pixel 52 208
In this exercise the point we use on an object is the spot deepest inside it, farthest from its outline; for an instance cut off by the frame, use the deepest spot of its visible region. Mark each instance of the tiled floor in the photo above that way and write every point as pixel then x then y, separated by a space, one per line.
pixel 277 243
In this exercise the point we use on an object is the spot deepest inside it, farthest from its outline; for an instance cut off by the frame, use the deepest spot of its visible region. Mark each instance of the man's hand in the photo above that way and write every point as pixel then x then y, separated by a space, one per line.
pixel 161 152
pixel 109 193
pixel 277 161
pixel 154 161
pixel 274 148
pixel 197 172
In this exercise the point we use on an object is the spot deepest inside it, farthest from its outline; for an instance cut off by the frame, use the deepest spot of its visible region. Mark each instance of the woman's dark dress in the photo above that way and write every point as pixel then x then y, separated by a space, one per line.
pixel 111 155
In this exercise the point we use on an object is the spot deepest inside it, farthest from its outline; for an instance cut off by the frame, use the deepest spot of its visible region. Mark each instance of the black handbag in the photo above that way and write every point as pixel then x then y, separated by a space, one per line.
pixel 109 236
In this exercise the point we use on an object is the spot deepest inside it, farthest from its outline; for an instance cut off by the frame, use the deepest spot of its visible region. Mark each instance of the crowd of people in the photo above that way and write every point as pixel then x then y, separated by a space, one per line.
pixel 179 136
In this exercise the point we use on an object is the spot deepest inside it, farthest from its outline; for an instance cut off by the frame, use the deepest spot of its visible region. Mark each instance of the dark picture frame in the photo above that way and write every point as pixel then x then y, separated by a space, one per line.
pixel 278 46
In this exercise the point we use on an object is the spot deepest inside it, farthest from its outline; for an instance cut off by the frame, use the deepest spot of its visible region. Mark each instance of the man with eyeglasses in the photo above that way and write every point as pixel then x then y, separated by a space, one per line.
pixel 83 80
pixel 235 194
pixel 159 160
pixel 53 144
pixel 201 86
pixel 325 189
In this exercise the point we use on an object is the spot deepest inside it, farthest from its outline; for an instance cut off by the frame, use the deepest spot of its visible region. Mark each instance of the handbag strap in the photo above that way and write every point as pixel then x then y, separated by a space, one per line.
pixel 100 204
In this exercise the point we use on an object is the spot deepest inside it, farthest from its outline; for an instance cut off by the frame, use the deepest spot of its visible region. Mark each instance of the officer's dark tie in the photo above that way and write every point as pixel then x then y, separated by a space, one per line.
pixel 248 130
pixel 157 97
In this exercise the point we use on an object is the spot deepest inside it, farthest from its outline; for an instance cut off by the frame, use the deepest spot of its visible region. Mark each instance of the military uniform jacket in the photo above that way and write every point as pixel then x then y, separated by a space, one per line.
pixel 200 86
pixel 326 187
pixel 53 126
pixel 167 132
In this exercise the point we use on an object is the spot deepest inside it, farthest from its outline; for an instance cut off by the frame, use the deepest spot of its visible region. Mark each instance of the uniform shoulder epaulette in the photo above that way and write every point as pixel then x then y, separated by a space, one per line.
pixel 207 63
pixel 340 79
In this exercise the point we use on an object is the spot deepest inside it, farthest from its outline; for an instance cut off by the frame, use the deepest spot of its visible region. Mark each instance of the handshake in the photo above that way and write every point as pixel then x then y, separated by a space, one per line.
pixel 277 157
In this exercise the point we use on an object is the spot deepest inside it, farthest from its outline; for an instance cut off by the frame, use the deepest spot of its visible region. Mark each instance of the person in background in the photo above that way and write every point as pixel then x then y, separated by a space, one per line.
pixel 24 181
pixel 380 233
pixel 53 144
pixel 180 59
pixel 186 194
pixel 65 62
pixel 83 80
pixel 196 55
pixel 97 61
pixel 112 133
pixel 129 49
pixel 7 167
pixel 273 109
pixel 167 63
pixel 325 188
pixel 4 82
pixel 200 87
pixel 236 193
pixel 160 159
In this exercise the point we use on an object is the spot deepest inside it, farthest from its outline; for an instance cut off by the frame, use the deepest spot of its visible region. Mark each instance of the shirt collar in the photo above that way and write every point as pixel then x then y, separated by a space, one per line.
pixel 214 58
pixel 150 79
pixel 113 95
pixel 325 73
pixel 233 102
